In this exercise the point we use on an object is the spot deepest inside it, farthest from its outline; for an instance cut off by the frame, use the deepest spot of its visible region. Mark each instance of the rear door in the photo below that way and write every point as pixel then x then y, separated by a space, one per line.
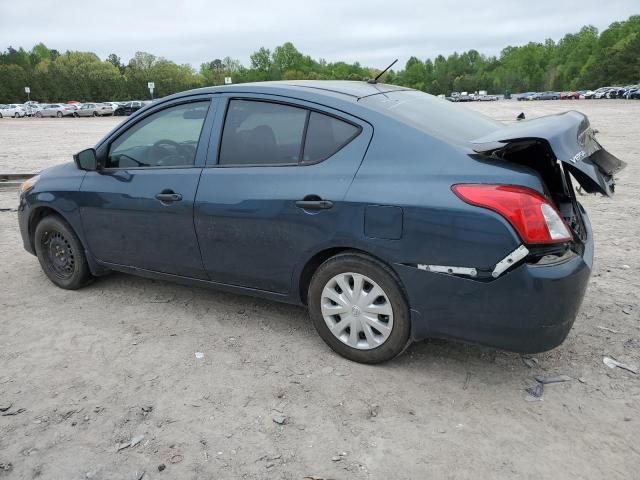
pixel 137 210
pixel 273 189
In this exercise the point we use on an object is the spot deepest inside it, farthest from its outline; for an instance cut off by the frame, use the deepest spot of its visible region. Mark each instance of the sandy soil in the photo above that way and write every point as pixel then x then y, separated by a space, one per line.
pixel 89 370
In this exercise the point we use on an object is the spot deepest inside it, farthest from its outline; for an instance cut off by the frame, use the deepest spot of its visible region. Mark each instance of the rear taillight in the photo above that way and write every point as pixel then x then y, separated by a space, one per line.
pixel 532 215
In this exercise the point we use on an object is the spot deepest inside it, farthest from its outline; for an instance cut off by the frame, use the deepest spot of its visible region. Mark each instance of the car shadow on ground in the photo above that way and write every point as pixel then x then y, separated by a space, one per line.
pixel 281 318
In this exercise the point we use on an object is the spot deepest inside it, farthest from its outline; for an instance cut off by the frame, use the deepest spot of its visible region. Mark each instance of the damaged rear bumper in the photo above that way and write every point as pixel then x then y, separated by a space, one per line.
pixel 529 308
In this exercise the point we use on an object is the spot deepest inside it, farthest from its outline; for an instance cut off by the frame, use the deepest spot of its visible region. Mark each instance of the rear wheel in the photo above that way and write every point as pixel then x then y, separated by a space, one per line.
pixel 61 254
pixel 96 114
pixel 358 307
pixel 75 114
pixel 39 114
pixel 59 114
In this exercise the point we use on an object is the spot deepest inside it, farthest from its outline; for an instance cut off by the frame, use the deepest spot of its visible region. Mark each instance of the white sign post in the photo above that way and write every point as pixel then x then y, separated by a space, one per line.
pixel 228 81
pixel 152 87
pixel 27 90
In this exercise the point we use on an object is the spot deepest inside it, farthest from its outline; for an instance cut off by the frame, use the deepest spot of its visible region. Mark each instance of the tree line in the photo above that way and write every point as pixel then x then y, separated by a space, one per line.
pixel 586 59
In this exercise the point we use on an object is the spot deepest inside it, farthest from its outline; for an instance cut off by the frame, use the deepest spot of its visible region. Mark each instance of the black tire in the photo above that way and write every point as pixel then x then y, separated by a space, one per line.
pixel 75 114
pixel 60 253
pixel 355 262
pixel 59 114
pixel 39 114
pixel 96 114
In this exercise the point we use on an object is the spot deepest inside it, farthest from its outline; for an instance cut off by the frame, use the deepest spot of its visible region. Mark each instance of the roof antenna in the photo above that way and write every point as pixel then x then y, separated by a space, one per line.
pixel 375 80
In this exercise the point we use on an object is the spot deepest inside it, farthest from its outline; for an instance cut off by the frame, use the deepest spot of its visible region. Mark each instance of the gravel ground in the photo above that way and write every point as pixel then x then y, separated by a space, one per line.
pixel 87 371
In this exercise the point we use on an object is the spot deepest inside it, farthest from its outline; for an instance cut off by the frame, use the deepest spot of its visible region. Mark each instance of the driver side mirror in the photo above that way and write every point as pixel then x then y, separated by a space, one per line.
pixel 86 160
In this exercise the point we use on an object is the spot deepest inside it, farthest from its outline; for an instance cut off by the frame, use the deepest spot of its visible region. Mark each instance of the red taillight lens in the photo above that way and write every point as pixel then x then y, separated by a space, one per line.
pixel 532 215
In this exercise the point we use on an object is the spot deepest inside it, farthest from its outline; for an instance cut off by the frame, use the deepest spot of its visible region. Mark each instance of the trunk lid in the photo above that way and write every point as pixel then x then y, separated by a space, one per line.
pixel 570 139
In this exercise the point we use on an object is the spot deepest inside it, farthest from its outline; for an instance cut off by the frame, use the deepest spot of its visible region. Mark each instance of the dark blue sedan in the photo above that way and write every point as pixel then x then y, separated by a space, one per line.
pixel 393 215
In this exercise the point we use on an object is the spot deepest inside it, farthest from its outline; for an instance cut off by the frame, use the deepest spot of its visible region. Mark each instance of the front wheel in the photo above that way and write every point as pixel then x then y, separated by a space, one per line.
pixel 61 254
pixel 59 114
pixel 96 114
pixel 358 307
pixel 75 114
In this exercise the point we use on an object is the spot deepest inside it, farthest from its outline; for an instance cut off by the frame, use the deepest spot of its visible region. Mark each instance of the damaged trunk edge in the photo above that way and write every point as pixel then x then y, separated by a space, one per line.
pixel 566 137
pixel 558 147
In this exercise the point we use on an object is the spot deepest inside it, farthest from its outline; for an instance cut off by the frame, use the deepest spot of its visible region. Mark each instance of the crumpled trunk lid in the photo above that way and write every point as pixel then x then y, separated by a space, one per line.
pixel 571 140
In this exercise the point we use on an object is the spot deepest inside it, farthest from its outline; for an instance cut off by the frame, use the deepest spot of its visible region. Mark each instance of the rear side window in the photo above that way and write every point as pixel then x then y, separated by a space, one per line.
pixel 265 133
pixel 262 133
pixel 325 136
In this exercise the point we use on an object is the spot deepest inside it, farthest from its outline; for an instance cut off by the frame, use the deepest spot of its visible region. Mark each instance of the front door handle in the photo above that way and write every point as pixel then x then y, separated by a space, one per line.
pixel 168 196
pixel 314 204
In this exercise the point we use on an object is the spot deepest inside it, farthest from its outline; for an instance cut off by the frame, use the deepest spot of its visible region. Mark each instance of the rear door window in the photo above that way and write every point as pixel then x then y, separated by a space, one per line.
pixel 262 133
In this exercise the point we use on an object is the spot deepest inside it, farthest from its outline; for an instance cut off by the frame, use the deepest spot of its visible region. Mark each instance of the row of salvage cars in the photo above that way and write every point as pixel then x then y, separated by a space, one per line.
pixel 70 109
pixel 629 92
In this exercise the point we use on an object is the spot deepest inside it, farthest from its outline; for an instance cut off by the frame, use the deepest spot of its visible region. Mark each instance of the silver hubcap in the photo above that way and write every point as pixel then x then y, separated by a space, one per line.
pixel 357 311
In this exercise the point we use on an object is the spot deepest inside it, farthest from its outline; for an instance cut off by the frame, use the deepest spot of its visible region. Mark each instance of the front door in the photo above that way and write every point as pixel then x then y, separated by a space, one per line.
pixel 138 209
pixel 276 191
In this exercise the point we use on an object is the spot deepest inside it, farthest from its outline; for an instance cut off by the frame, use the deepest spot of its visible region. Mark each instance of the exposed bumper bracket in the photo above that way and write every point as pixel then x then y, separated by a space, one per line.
pixel 511 259
pixel 468 271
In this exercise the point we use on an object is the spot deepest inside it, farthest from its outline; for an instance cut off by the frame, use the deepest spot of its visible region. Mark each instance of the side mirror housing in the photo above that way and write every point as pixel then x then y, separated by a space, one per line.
pixel 87 160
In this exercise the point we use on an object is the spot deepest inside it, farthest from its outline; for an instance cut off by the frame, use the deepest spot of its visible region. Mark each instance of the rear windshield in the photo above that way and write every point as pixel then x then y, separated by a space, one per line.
pixel 433 115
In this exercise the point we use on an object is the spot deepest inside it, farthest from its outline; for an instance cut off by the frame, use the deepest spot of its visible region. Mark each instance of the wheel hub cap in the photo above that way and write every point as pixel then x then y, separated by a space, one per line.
pixel 60 255
pixel 357 310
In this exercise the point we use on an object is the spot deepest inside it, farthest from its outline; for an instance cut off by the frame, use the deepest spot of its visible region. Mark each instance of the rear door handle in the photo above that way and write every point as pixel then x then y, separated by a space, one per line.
pixel 168 197
pixel 314 204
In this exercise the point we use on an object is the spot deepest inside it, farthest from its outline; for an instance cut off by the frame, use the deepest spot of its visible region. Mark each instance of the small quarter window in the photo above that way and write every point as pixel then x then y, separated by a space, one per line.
pixel 325 136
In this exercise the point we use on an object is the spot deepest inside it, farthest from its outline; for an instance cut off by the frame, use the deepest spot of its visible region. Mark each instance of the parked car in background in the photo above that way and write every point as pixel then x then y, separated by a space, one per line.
pixel 601 92
pixel 569 95
pixel 546 96
pixel 32 108
pixel 633 94
pixel 129 107
pixel 13 110
pixel 114 105
pixel 93 110
pixel 525 96
pixel 402 216
pixel 56 110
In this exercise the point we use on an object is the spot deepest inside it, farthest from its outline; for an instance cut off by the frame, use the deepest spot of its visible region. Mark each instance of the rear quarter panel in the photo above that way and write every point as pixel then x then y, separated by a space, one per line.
pixel 409 169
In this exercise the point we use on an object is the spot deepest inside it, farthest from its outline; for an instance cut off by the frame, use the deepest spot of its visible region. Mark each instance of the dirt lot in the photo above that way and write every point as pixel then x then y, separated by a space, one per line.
pixel 89 370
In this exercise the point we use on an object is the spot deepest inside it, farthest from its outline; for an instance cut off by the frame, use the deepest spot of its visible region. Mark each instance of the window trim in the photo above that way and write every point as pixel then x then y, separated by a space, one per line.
pixel 299 163
pixel 106 146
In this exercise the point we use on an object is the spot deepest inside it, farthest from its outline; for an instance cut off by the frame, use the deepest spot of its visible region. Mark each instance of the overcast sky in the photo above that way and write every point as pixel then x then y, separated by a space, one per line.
pixel 373 32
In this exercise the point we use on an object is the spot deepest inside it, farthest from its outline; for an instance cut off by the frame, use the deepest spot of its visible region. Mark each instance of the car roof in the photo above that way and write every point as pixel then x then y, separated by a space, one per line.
pixel 342 88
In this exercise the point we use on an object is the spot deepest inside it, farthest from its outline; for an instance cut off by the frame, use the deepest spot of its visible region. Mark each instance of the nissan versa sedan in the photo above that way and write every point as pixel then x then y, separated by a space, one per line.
pixel 391 214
